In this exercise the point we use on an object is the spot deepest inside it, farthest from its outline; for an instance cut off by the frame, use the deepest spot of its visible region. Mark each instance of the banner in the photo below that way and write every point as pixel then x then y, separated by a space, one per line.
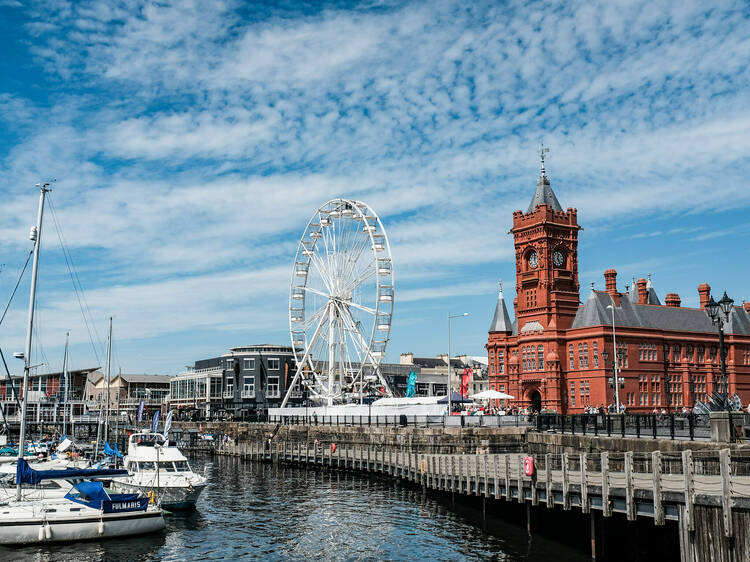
pixel 168 423
pixel 140 410
pixel 155 423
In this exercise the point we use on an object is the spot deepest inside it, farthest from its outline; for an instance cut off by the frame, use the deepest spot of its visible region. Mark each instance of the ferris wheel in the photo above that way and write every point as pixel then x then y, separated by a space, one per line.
pixel 341 303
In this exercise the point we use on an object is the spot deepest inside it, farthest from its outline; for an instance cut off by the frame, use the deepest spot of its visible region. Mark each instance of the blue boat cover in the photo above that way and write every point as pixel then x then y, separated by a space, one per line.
pixel 27 475
pixel 94 495
pixel 109 451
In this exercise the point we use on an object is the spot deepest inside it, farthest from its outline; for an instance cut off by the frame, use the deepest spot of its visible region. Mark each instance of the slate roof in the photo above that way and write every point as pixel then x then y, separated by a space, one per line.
pixel 432 362
pixel 594 313
pixel 544 195
pixel 501 321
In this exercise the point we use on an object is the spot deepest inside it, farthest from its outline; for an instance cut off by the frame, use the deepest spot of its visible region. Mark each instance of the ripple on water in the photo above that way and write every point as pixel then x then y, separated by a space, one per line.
pixel 252 511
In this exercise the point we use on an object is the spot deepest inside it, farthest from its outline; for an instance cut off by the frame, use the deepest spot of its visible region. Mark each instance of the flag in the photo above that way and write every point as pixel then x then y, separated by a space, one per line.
pixel 155 423
pixel 140 410
pixel 168 423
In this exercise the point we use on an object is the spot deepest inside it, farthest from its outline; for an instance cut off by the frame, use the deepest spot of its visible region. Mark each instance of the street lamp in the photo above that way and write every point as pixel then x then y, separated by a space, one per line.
pixel 451 317
pixel 719 313
pixel 618 355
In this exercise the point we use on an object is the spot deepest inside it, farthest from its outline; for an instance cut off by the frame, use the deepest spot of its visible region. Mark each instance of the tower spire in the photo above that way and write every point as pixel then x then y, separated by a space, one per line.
pixel 544 194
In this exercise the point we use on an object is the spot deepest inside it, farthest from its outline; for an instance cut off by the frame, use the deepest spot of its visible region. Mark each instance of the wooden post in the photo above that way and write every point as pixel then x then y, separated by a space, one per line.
pixel 606 508
pixel 486 477
pixel 726 487
pixel 584 485
pixel 519 464
pixel 688 471
pixel 496 466
pixel 629 499
pixel 548 479
pixel 565 482
pixel 592 519
pixel 656 469
pixel 507 477
pixel 476 474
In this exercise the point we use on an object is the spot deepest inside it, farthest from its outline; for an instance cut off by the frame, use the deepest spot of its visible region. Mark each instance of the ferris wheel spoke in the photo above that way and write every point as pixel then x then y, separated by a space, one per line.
pixel 364 274
pixel 317 292
pixel 362 307
pixel 322 271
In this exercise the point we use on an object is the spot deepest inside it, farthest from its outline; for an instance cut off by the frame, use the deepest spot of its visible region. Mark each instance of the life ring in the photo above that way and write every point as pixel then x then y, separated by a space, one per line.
pixel 528 466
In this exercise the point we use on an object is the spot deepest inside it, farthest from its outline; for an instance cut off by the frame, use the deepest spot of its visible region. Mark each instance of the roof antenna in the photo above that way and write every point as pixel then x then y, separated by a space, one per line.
pixel 500 286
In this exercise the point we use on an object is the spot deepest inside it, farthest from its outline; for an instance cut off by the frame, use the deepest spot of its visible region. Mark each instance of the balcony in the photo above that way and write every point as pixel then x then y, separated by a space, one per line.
pixel 247 394
pixel 228 394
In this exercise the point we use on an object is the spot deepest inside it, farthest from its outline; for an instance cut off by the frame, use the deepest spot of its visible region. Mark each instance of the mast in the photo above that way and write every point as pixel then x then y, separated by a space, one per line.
pixel 36 237
pixel 109 363
pixel 66 378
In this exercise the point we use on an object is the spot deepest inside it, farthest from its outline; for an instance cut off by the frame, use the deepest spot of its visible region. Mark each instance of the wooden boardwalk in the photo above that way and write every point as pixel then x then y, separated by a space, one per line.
pixel 657 485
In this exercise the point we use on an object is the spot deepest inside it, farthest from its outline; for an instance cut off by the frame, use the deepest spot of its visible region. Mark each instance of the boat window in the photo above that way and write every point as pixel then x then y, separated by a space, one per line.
pixel 168 466
pixel 182 466
pixel 148 465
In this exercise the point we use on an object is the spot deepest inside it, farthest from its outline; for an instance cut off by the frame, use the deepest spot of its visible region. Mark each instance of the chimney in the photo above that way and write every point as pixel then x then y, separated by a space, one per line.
pixel 610 279
pixel 407 358
pixel 672 299
pixel 704 291
pixel 642 291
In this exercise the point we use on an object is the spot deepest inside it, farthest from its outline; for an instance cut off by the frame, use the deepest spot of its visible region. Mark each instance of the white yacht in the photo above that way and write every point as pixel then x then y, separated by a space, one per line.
pixel 174 485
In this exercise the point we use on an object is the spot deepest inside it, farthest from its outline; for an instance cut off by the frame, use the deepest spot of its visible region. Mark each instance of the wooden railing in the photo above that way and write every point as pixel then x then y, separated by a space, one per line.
pixel 657 484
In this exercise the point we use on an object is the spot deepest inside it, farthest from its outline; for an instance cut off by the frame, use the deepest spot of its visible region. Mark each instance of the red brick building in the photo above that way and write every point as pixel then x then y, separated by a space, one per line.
pixel 550 356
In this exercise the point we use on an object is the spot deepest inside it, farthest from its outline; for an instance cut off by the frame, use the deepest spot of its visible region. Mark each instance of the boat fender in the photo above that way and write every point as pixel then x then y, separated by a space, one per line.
pixel 333 447
pixel 528 466
pixel 101 527
pixel 48 531
pixel 41 533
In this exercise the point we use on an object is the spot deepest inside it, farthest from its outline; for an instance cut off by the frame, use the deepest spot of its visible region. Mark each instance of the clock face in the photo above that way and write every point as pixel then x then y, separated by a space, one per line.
pixel 533 260
pixel 558 258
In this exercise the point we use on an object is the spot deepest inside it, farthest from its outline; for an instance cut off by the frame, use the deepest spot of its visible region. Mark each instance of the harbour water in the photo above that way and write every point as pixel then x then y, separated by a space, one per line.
pixel 252 511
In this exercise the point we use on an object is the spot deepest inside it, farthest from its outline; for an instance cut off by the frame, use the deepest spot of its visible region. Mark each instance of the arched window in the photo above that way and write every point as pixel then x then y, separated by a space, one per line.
pixel 540 356
pixel 571 357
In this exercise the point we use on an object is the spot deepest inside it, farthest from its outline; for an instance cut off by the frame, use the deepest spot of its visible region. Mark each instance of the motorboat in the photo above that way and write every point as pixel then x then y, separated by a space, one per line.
pixel 160 469
pixel 87 511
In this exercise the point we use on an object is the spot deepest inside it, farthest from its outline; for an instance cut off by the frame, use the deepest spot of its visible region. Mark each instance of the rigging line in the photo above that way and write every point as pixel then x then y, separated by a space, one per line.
pixel 80 295
pixel 10 380
pixel 10 300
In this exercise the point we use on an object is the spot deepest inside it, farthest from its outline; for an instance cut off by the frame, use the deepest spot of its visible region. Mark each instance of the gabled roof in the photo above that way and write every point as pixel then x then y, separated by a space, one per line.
pixel 501 321
pixel 669 318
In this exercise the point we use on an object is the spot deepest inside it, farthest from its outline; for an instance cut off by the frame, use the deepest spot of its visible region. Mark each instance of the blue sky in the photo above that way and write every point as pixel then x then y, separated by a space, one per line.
pixel 191 141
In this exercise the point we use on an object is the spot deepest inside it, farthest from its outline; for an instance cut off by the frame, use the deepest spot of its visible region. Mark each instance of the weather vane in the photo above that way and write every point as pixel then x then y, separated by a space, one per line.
pixel 542 151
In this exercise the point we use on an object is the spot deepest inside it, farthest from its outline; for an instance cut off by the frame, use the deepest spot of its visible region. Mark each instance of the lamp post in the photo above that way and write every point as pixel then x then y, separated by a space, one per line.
pixel 718 312
pixel 617 356
pixel 451 317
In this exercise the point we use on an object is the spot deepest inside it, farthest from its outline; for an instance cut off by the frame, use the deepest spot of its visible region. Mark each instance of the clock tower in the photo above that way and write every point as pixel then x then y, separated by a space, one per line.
pixel 546 244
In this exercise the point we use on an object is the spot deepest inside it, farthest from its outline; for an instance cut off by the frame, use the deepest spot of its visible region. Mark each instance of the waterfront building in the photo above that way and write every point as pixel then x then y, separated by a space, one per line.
pixel 432 373
pixel 46 395
pixel 126 392
pixel 558 353
pixel 240 384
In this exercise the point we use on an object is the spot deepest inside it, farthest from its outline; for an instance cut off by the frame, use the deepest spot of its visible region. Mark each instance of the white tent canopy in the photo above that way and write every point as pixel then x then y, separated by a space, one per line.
pixel 491 395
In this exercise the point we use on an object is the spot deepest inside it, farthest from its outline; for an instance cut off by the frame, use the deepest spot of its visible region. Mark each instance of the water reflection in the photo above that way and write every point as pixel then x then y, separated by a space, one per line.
pixel 252 511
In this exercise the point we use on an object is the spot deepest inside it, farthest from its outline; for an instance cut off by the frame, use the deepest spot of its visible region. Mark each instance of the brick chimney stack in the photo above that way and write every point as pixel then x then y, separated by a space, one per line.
pixel 672 299
pixel 704 291
pixel 642 291
pixel 610 279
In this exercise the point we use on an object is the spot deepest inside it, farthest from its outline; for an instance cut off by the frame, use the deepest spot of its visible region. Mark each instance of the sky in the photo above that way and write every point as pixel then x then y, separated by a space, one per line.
pixel 191 142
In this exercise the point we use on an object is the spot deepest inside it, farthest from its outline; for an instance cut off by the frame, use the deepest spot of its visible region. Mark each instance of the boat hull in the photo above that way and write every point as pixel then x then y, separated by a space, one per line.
pixel 171 498
pixel 66 528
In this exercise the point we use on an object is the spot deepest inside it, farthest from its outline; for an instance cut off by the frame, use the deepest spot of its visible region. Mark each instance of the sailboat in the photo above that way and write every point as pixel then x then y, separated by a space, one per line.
pixel 88 510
